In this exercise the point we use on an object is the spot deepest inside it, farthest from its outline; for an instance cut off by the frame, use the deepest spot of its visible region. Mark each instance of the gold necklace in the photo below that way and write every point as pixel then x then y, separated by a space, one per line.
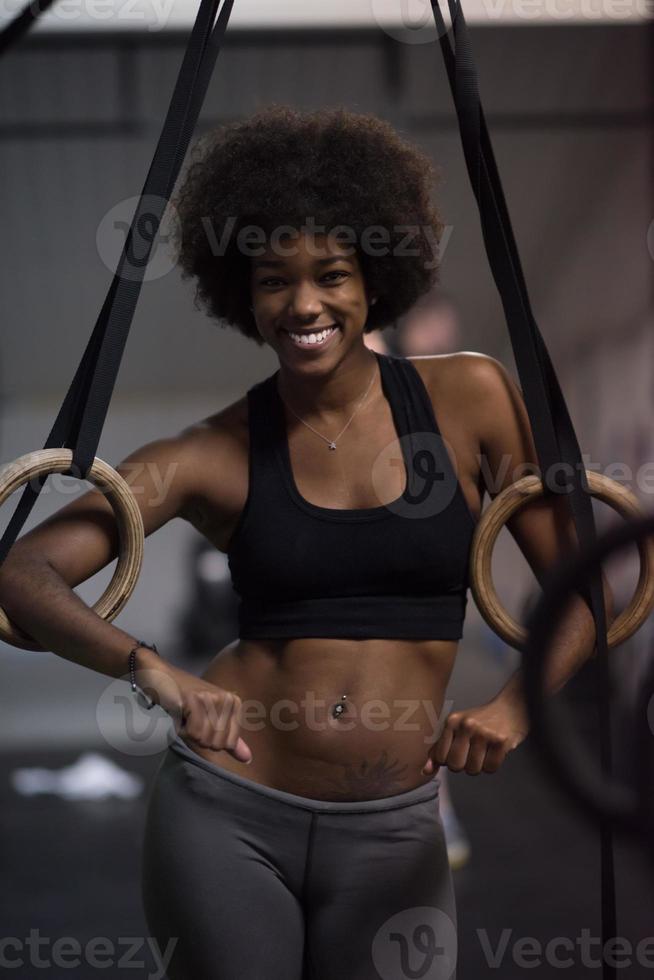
pixel 332 442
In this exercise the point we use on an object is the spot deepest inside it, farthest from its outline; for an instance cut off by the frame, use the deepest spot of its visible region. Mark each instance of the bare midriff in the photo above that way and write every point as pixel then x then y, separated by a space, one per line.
pixel 375 746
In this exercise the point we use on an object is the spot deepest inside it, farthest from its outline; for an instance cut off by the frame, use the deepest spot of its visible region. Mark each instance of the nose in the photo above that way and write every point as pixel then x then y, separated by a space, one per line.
pixel 305 301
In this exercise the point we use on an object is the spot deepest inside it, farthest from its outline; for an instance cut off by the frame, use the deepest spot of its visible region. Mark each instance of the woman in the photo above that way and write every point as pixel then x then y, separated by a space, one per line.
pixel 293 827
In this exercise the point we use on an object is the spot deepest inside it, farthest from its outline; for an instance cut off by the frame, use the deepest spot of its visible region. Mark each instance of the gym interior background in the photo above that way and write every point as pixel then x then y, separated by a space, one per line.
pixel 569 108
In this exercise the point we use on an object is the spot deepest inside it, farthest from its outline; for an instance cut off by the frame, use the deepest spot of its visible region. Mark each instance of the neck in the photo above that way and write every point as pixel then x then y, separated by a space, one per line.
pixel 335 393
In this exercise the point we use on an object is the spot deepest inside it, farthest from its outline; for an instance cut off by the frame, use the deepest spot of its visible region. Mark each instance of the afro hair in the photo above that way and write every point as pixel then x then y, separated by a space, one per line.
pixel 333 167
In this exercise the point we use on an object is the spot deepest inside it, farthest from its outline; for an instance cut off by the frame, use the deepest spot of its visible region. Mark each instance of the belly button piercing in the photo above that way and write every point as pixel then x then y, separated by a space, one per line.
pixel 339 708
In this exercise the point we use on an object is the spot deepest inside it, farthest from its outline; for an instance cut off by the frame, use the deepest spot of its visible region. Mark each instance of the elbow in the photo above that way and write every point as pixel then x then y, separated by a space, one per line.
pixel 16 575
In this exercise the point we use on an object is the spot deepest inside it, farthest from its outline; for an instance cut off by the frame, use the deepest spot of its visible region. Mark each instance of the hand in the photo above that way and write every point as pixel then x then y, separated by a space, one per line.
pixel 202 712
pixel 478 739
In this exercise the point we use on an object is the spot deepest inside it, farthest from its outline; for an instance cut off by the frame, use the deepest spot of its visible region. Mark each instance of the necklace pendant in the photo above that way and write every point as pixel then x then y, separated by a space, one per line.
pixel 332 445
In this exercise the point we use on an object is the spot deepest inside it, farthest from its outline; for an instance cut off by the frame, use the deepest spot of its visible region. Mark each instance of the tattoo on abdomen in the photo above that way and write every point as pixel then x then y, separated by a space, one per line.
pixel 370 780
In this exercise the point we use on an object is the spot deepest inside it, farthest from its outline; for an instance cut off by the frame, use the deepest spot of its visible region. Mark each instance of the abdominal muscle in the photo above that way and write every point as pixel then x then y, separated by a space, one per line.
pixel 376 747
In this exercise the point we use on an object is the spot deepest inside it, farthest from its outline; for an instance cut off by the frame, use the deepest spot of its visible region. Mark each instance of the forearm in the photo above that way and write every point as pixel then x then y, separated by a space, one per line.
pixel 573 643
pixel 40 602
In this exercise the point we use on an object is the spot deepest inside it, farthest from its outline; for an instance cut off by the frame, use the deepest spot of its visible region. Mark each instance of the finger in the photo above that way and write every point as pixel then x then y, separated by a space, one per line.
pixel 208 720
pixel 495 756
pixel 191 727
pixel 222 734
pixel 233 742
pixel 476 754
pixel 180 716
pixel 234 724
pixel 458 754
pixel 442 746
pixel 243 752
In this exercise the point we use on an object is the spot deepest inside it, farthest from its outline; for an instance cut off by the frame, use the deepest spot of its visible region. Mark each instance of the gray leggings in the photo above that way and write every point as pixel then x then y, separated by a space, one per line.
pixel 259 884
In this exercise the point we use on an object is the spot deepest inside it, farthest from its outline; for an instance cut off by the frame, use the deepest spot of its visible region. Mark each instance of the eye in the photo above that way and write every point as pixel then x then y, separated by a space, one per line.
pixel 275 279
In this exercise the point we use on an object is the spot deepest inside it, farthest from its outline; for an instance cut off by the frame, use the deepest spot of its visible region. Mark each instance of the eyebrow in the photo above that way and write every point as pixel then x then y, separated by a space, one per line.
pixel 276 263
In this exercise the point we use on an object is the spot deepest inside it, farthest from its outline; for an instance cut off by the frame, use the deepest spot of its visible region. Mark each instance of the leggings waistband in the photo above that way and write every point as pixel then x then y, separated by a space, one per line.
pixel 426 791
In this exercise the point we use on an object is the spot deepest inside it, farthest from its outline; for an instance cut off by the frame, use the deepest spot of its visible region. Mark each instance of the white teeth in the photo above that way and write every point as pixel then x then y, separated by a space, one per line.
pixel 312 338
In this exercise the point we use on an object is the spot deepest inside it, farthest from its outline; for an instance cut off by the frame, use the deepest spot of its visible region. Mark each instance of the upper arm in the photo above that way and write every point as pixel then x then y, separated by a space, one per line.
pixel 82 537
pixel 543 528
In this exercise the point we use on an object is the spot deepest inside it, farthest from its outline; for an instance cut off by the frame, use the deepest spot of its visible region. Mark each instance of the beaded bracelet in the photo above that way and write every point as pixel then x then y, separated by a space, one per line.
pixel 140 695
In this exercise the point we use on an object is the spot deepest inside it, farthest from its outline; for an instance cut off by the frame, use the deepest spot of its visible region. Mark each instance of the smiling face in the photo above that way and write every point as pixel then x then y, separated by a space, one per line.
pixel 309 287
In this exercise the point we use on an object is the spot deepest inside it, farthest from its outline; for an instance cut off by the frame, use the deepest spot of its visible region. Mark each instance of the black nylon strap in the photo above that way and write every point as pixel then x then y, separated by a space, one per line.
pixel 552 427
pixel 22 22
pixel 80 420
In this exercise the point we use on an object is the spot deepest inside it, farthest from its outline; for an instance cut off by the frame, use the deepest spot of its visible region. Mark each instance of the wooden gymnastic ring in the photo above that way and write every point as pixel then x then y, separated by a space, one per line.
pixel 510 500
pixel 128 516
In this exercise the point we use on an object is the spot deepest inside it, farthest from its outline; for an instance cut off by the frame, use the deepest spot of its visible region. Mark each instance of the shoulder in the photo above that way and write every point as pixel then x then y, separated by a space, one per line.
pixel 228 426
pixel 210 449
pixel 497 403
pixel 478 392
pixel 469 368
pixel 468 382
pixel 486 394
pixel 199 444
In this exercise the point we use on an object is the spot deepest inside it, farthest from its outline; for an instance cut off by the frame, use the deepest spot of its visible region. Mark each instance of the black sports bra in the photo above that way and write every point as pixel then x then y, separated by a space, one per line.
pixel 398 570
